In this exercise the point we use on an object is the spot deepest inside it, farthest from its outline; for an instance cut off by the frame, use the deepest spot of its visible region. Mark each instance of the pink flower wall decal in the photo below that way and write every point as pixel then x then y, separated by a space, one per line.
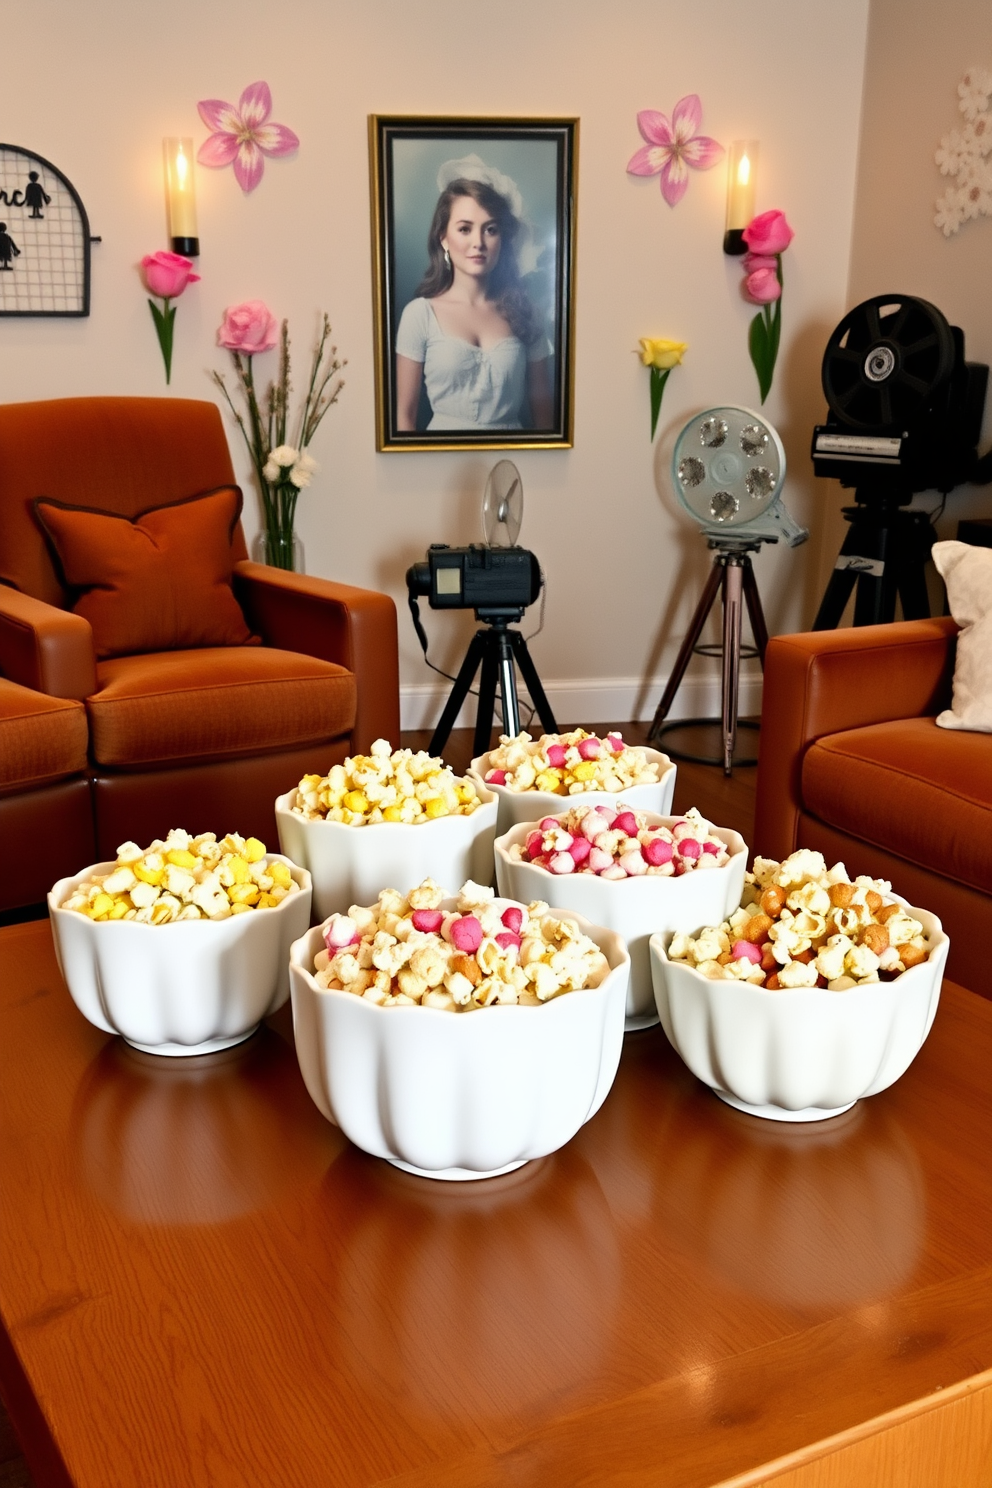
pixel 243 134
pixel 672 147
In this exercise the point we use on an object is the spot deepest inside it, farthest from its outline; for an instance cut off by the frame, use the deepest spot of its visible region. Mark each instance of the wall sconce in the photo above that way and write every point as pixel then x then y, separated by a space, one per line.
pixel 742 176
pixel 180 197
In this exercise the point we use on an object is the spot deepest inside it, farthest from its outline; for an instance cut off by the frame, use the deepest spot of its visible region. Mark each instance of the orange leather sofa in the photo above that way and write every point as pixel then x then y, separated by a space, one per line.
pixel 46 820
pixel 200 738
pixel 853 765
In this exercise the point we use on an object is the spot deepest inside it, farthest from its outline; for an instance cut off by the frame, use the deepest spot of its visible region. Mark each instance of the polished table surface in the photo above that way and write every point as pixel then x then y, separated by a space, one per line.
pixel 204 1283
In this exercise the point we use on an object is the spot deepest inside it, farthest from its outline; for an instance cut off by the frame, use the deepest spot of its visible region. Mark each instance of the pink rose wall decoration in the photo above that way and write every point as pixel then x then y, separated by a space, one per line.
pixel 673 146
pixel 242 135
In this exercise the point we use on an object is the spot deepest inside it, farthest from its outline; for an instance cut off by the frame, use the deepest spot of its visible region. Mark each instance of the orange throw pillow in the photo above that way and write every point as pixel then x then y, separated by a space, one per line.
pixel 160 581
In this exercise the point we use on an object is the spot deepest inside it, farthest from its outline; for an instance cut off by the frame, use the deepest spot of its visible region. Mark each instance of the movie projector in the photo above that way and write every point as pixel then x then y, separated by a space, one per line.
pixel 905 416
pixel 727 472
pixel 498 580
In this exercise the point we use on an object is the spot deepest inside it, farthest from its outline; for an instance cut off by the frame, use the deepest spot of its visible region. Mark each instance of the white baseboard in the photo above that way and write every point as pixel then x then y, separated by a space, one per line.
pixel 588 700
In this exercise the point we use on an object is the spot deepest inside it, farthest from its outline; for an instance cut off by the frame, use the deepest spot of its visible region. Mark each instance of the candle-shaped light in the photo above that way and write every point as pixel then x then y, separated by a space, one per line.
pixel 180 197
pixel 741 187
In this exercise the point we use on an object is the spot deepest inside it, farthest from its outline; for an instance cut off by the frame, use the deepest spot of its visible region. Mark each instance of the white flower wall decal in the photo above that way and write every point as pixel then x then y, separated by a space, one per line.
pixel 966 155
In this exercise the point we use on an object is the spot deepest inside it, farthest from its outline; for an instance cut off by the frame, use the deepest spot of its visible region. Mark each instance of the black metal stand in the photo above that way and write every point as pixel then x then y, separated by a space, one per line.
pixel 732 572
pixel 885 553
pixel 494 647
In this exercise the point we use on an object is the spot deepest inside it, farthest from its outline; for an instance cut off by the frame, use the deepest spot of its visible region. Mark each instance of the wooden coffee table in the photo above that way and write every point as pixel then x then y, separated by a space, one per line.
pixel 205 1284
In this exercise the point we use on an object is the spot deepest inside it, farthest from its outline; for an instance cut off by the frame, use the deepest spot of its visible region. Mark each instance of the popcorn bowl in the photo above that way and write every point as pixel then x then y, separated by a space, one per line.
pixel 531 805
pixel 349 865
pixel 635 908
pixel 459 1096
pixel 803 1054
pixel 186 987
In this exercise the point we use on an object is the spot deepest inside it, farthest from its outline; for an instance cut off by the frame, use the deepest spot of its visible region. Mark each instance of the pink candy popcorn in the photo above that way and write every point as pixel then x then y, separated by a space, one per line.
pixel 556 755
pixel 743 950
pixel 590 749
pixel 657 851
pixel 466 934
pixel 512 918
pixel 591 839
pixel 428 920
pixel 496 777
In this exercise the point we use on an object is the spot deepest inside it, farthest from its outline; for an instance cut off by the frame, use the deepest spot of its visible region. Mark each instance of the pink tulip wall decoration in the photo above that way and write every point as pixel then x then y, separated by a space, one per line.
pixel 673 146
pixel 242 136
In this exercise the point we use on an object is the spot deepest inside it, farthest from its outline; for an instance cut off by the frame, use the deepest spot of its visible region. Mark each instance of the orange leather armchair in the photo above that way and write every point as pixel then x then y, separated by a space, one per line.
pixel 205 738
pixel 853 765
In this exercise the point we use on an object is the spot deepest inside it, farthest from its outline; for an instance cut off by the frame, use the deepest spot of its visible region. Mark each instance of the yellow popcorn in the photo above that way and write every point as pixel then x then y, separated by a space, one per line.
pixel 386 785
pixel 185 878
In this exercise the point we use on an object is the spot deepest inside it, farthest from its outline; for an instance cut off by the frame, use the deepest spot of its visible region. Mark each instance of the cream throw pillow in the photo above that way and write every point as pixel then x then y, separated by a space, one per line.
pixel 967 572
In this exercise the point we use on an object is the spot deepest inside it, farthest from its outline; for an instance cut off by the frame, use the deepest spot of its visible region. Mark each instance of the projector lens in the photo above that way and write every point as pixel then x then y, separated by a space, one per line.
pixel 723 507
pixel 754 440
pixel 713 433
pixel 692 472
pixel 760 482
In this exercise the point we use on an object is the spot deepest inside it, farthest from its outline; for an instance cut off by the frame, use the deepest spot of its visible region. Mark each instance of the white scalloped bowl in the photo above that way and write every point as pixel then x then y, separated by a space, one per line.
pixel 635 908
pixel 531 805
pixel 800 1055
pixel 187 987
pixel 459 1095
pixel 350 865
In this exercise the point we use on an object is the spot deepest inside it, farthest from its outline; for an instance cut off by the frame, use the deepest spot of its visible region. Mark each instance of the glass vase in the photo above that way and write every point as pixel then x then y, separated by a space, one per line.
pixel 278 550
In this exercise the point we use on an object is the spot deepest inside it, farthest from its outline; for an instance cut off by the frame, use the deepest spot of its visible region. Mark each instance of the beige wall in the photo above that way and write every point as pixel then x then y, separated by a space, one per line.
pixel 96 87
pixel 917 53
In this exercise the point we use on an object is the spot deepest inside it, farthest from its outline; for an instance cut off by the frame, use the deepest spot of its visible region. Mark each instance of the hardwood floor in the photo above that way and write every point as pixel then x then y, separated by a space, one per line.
pixel 726 801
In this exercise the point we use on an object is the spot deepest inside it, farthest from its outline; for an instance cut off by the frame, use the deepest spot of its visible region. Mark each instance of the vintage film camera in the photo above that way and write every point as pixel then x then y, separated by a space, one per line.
pixel 905 415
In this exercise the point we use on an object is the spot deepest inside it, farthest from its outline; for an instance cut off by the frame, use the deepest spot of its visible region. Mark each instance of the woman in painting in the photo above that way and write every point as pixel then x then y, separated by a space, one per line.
pixel 472 337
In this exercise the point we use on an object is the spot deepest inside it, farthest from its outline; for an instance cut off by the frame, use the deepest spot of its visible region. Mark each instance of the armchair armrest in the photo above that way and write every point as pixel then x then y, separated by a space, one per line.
pixel 44 647
pixel 336 622
pixel 823 682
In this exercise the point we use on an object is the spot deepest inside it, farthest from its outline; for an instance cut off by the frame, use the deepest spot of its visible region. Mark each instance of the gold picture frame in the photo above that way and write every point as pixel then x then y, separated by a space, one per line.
pixel 446 378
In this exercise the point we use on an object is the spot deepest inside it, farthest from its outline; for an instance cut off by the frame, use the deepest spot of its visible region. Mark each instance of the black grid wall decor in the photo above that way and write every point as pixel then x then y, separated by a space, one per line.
pixel 44 238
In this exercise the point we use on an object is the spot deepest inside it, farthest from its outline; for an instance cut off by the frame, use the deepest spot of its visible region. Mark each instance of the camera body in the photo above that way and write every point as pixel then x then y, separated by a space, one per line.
pixel 476 578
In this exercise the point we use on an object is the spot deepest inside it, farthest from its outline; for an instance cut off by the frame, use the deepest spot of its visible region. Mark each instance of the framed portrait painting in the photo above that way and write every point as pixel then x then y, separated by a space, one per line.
pixel 473 226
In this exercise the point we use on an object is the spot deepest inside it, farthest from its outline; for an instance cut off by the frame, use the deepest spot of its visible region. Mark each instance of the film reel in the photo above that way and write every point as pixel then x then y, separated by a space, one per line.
pixel 885 361
pixel 728 467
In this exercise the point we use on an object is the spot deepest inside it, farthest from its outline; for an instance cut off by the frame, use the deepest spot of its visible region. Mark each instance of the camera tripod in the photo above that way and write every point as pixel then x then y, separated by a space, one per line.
pixel 885 552
pixel 494 647
pixel 732 572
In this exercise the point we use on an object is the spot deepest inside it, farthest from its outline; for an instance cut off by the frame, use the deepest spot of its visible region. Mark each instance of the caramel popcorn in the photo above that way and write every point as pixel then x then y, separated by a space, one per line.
pixel 568 764
pixel 185 878
pixel 386 786
pixel 408 951
pixel 802 925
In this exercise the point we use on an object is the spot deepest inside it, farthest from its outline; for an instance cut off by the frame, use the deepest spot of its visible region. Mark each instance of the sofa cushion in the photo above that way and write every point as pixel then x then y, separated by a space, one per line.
pixel 215 703
pixel 160 581
pixel 912 788
pixel 41 738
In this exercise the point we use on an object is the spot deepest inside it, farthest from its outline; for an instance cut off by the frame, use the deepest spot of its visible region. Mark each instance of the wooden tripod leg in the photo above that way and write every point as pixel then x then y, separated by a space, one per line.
pixel 688 645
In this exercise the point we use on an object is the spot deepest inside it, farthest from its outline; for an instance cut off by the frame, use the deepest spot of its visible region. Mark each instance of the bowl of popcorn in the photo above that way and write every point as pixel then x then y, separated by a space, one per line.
pixel 181 947
pixel 815 992
pixel 386 817
pixel 458 1037
pixel 635 872
pixel 529 777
